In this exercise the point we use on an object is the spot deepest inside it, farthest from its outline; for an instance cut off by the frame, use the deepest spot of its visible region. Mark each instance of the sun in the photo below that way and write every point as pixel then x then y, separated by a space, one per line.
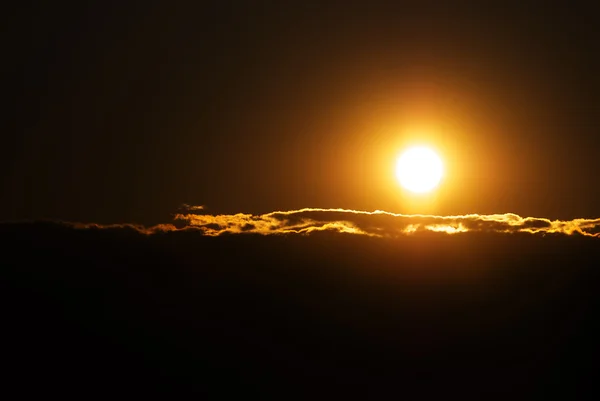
pixel 419 169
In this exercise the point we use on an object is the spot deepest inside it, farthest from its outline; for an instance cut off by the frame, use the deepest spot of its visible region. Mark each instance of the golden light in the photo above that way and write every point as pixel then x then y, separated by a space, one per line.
pixel 419 169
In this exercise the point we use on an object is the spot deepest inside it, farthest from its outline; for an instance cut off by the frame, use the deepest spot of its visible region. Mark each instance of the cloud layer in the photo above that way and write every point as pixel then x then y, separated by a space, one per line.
pixel 374 224
pixel 378 223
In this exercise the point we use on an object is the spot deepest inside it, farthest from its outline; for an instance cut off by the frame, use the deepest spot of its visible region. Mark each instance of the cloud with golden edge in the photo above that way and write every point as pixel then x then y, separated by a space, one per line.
pixel 379 223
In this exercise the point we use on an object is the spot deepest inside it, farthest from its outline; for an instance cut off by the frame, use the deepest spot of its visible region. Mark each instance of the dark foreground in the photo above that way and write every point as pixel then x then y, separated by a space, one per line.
pixel 471 316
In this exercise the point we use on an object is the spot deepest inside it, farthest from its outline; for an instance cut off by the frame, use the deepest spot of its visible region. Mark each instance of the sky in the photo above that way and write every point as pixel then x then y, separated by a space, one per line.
pixel 202 199
pixel 123 113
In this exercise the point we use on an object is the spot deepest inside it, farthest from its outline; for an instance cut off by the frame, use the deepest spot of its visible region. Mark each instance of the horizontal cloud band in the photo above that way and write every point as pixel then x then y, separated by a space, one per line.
pixel 379 223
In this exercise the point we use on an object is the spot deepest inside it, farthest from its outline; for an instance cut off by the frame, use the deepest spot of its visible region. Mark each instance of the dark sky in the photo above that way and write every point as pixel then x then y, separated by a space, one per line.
pixel 123 113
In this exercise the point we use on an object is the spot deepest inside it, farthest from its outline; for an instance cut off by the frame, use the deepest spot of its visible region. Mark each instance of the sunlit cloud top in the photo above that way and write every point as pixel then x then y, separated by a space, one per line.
pixel 373 224
pixel 379 223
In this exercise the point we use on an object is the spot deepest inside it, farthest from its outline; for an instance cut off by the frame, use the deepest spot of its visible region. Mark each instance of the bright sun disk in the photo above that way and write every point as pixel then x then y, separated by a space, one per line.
pixel 419 169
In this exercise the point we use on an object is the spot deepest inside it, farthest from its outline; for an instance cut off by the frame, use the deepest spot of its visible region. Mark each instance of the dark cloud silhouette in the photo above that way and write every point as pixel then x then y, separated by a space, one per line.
pixel 159 310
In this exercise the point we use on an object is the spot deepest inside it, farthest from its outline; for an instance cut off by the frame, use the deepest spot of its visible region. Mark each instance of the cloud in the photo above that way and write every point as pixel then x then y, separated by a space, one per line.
pixel 380 223
pixel 188 208
pixel 373 224
pixel 159 228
